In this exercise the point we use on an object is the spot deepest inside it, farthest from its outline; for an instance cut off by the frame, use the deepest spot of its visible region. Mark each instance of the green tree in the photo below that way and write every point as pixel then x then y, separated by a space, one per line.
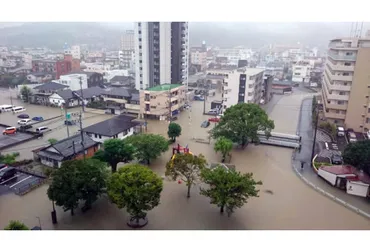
pixel 174 130
pixel 92 180
pixel 26 93
pixel 241 122
pixel 136 188
pixel 148 146
pixel 115 151
pixel 16 225
pixel 77 180
pixel 228 188
pixel 9 158
pixel 52 141
pixel 224 146
pixel 187 167
pixel 358 155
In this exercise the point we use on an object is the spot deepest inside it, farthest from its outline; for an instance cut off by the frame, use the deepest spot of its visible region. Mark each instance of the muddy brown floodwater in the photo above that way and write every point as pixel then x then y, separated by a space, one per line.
pixel 291 205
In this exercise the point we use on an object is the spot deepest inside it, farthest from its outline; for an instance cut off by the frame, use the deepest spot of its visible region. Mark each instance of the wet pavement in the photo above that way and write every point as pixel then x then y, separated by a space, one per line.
pixel 292 205
pixel 306 130
pixel 6 140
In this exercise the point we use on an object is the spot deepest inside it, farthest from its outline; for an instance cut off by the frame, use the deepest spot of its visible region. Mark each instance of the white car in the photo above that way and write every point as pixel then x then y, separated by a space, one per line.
pixel 24 121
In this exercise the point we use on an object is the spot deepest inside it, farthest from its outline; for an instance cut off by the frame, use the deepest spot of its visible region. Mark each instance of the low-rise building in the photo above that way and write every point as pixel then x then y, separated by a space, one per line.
pixel 121 100
pixel 94 79
pixel 71 98
pixel 71 148
pixel 302 71
pixel 73 81
pixel 120 127
pixel 157 102
pixel 39 77
pixel 243 85
pixel 41 94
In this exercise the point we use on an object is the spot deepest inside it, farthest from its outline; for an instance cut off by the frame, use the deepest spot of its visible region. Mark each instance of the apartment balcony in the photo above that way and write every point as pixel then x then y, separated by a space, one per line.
pixel 339 87
pixel 333 77
pixel 332 105
pixel 340 67
pixel 335 96
pixel 174 98
pixel 342 57
pixel 333 115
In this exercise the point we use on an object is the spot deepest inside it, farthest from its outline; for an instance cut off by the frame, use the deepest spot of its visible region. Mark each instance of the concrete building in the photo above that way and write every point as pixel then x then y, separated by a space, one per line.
pixel 243 85
pixel 157 102
pixel 73 81
pixel 301 71
pixel 161 53
pixel 128 40
pixel 346 84
pixel 76 52
pixel 125 58
pixel 198 57
pixel 97 67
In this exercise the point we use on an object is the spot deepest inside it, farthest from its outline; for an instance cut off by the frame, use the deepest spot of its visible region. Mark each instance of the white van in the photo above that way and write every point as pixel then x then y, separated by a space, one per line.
pixel 6 108
pixel 42 129
pixel 24 121
pixel 18 109
pixel 352 137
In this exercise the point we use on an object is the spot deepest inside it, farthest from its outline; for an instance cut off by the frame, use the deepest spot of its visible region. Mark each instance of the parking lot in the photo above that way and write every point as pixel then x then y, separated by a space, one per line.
pixel 9 140
pixel 20 182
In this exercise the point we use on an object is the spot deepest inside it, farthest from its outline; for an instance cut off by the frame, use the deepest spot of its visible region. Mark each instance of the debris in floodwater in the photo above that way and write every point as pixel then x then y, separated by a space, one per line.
pixel 269 191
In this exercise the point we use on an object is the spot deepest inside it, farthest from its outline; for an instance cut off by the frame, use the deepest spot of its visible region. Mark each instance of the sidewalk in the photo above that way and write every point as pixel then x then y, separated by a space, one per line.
pixel 358 204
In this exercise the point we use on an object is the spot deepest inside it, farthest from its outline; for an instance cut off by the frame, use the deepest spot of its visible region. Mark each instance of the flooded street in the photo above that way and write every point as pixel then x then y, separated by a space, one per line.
pixel 293 205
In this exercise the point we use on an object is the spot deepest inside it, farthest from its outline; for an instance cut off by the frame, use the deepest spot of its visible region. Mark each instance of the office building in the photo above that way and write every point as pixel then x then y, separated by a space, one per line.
pixel 127 49
pixel 161 53
pixel 346 86
pixel 242 85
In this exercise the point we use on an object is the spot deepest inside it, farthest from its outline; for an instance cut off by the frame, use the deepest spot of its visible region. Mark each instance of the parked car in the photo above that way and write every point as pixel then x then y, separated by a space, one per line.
pixel 3 166
pixel 23 116
pixel 24 121
pixel 42 129
pixel 38 118
pixel 340 131
pixel 205 124
pixel 214 119
pixel 351 137
pixel 7 173
pixel 336 159
pixel 69 123
pixel 213 111
pixel 10 131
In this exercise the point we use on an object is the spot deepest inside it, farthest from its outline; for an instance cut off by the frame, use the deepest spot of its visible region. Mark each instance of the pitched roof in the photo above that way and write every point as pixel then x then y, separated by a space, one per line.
pixel 50 86
pixel 112 126
pixel 119 78
pixel 125 92
pixel 89 74
pixel 87 93
pixel 135 97
pixel 65 147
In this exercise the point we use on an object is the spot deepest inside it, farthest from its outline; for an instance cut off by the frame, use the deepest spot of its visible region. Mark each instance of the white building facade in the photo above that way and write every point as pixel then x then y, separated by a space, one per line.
pixel 73 81
pixel 161 53
pixel 301 71
pixel 76 52
pixel 243 85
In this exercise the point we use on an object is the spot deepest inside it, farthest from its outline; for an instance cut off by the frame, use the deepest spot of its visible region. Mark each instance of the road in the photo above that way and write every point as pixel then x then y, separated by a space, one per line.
pixel 293 204
pixel 306 130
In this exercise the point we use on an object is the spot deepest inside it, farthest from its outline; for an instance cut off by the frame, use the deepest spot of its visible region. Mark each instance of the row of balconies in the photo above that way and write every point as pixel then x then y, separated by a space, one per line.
pixel 342 57
pixel 338 67
pixel 333 77
pixel 334 96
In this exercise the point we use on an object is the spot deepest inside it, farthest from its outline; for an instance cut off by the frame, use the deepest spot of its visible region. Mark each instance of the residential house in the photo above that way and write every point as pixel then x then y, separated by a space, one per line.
pixel 125 81
pixel 94 79
pixel 157 102
pixel 74 81
pixel 41 94
pixel 122 100
pixel 120 127
pixel 39 77
pixel 71 98
pixel 71 148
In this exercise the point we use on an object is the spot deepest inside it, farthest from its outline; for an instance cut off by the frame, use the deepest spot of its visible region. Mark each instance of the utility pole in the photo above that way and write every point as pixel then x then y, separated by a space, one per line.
pixel 170 106
pixel 82 137
pixel 66 120
pixel 82 95
pixel 314 138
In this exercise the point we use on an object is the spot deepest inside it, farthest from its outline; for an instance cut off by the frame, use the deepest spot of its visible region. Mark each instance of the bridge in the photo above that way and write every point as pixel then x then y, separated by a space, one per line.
pixel 280 139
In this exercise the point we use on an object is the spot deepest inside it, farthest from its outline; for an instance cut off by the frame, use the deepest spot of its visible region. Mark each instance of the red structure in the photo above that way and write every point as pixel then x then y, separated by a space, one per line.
pixel 179 149
pixel 59 67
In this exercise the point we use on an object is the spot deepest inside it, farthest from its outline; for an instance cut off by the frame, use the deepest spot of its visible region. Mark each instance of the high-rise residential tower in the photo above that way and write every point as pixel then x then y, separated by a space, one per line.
pixel 161 53
pixel 346 83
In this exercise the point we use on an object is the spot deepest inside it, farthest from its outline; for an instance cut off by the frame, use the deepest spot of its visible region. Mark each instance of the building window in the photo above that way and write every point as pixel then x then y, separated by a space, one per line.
pixel 96 135
pixel 139 39
pixel 347 63
pixel 139 32
pixel 367 120
pixel 139 24
pixel 140 47
pixel 340 102
pixel 99 136
pixel 342 93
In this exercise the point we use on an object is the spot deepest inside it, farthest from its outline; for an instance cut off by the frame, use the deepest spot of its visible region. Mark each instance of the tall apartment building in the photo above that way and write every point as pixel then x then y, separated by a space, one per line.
pixel 76 52
pixel 127 49
pixel 161 53
pixel 346 86
pixel 242 85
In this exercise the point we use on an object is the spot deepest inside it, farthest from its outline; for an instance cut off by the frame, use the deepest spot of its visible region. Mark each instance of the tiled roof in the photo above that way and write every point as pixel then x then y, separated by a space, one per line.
pixel 112 126
pixel 87 93
pixel 51 86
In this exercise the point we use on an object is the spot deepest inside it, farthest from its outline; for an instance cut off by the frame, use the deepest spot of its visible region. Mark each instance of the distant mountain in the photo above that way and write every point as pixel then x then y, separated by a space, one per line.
pixel 54 35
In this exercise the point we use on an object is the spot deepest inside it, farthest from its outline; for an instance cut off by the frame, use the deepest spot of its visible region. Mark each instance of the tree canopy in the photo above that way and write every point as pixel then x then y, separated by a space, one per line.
pixel 16 225
pixel 174 130
pixel 8 158
pixel 358 155
pixel 77 180
pixel 148 146
pixel 187 167
pixel 26 93
pixel 136 188
pixel 52 140
pixel 224 146
pixel 228 188
pixel 241 122
pixel 115 151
